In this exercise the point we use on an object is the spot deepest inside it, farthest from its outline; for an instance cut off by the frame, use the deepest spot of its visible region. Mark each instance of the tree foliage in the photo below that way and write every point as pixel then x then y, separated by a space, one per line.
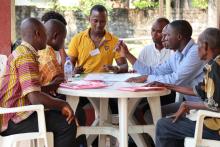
pixel 84 6
pixel 202 4
pixel 143 4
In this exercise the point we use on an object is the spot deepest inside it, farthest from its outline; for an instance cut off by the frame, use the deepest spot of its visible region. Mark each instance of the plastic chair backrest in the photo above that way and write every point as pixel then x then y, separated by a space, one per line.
pixel 3 60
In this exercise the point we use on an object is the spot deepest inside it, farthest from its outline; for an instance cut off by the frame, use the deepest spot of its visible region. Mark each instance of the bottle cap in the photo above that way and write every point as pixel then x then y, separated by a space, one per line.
pixel 67 58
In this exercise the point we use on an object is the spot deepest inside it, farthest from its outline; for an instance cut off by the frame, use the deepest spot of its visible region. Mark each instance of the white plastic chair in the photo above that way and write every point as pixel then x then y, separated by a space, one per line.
pixel 44 139
pixel 3 60
pixel 198 141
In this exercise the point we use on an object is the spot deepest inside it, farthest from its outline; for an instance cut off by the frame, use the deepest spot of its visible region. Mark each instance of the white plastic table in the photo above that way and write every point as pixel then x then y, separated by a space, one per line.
pixel 127 102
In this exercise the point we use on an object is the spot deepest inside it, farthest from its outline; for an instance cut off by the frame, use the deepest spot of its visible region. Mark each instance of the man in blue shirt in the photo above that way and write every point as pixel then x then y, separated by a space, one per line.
pixel 183 68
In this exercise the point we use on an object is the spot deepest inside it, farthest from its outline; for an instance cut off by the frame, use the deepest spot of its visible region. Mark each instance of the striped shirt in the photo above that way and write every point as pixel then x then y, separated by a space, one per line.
pixel 49 67
pixel 20 78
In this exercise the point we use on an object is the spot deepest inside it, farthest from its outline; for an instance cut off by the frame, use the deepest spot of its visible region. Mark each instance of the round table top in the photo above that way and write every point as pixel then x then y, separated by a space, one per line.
pixel 112 92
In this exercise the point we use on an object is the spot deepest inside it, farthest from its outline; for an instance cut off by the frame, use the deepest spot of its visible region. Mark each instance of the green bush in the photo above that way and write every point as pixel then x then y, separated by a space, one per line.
pixel 202 4
pixel 86 5
pixel 143 4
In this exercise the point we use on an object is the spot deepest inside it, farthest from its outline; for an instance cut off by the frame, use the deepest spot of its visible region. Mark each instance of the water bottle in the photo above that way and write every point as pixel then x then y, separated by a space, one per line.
pixel 68 70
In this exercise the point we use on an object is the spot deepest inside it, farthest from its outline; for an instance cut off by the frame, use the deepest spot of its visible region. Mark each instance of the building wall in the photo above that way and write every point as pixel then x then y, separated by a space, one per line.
pixel 124 23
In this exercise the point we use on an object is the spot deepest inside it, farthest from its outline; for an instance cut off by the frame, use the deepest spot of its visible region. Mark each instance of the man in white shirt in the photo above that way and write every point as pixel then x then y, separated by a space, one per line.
pixel 155 53
pixel 152 56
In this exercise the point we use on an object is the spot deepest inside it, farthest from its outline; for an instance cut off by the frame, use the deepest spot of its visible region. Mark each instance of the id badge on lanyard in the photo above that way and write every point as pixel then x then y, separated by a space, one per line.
pixel 97 51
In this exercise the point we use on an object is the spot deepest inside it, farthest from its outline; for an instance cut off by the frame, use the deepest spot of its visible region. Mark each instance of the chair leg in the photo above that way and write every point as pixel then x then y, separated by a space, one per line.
pixel 42 142
pixel 50 139
pixel 24 143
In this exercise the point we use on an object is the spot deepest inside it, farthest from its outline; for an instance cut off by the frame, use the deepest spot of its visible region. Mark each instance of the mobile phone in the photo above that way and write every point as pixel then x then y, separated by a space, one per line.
pixel 116 47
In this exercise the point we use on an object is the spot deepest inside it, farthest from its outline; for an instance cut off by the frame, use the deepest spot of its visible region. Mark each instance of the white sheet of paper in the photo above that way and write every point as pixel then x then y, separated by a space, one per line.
pixel 110 77
pixel 94 52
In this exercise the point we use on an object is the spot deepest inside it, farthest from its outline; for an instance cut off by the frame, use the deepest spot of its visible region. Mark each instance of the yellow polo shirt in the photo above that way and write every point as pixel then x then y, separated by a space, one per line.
pixel 81 46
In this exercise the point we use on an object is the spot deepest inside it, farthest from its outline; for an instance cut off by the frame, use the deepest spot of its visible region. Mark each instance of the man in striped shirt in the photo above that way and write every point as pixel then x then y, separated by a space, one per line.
pixel 20 86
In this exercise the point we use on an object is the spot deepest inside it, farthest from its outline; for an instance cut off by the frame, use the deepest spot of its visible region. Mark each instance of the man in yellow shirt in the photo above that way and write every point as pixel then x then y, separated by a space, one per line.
pixel 93 49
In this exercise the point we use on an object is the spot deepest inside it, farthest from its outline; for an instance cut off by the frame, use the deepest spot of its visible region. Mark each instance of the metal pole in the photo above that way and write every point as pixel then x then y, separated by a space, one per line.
pixel 168 9
pixel 214 13
pixel 177 9
pixel 161 5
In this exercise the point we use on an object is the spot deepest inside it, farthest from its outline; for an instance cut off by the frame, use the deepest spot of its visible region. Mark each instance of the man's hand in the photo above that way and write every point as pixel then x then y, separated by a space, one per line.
pixel 122 48
pixel 183 110
pixel 156 84
pixel 68 113
pixel 54 84
pixel 114 69
pixel 132 71
pixel 58 80
pixel 140 79
pixel 38 97
pixel 79 70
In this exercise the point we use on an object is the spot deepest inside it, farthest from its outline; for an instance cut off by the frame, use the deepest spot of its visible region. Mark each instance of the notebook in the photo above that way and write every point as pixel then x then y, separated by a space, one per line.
pixel 84 85
pixel 136 89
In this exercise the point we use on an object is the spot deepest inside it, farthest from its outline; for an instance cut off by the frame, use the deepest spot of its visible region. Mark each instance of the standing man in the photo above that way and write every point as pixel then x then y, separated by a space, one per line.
pixel 93 49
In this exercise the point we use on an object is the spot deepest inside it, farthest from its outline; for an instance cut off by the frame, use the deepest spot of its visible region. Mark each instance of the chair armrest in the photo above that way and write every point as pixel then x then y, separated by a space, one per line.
pixel 38 108
pixel 200 121
pixel 22 109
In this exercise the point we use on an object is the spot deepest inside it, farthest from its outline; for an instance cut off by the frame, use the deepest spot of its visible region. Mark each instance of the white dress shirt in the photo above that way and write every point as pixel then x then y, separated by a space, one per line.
pixel 151 56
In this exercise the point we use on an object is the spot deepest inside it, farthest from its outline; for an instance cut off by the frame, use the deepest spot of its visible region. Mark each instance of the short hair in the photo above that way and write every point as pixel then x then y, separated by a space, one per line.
pixel 212 37
pixel 163 20
pixel 183 27
pixel 53 15
pixel 99 8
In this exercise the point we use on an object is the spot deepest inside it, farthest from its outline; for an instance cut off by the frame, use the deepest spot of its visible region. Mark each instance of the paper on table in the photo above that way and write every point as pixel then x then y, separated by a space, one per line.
pixel 84 85
pixel 110 77
pixel 136 89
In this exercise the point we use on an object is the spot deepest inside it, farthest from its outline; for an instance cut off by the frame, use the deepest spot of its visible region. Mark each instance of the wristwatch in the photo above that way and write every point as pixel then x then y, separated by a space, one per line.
pixel 118 68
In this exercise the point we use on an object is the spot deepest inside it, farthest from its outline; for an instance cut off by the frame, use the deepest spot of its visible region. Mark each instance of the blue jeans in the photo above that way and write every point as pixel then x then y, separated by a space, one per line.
pixel 170 134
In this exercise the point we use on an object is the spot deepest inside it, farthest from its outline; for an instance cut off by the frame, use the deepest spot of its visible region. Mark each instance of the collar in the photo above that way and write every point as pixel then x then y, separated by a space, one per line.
pixel 30 47
pixel 207 67
pixel 184 52
pixel 187 47
pixel 106 37
pixel 217 58
pixel 51 50
pixel 158 51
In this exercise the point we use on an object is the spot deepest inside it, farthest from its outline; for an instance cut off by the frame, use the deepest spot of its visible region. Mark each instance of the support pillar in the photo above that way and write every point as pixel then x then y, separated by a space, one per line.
pixel 214 13
pixel 6 18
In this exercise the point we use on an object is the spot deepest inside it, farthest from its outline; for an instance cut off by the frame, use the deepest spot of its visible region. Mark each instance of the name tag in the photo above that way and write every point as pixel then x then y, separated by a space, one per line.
pixel 95 52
